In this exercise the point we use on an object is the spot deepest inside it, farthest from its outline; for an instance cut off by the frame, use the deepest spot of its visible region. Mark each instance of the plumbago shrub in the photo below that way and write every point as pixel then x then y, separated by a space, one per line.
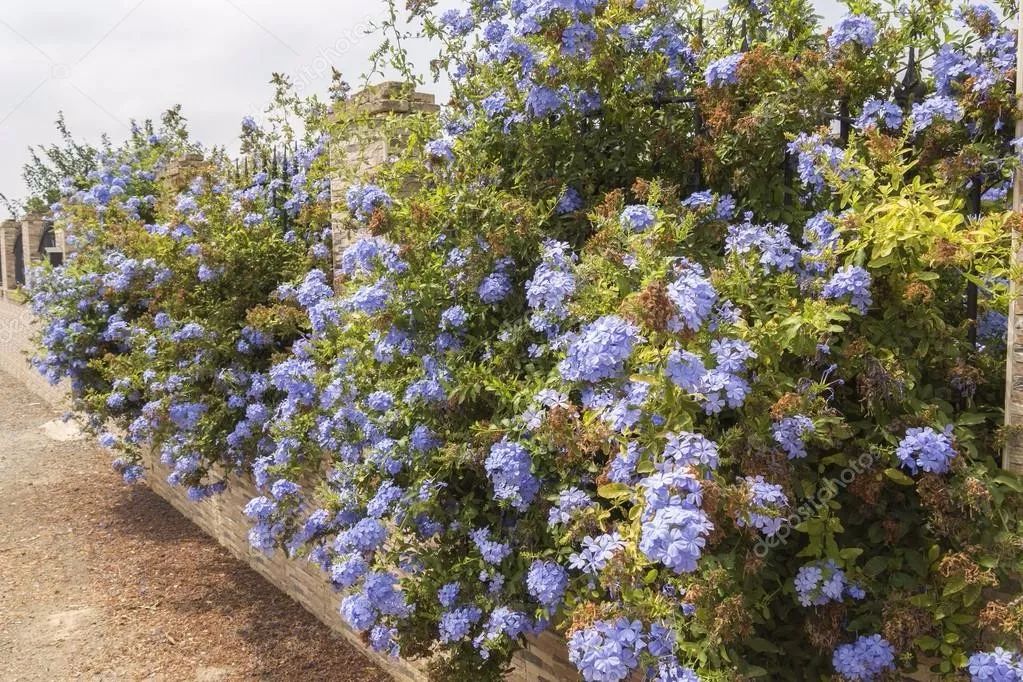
pixel 633 346
pixel 159 318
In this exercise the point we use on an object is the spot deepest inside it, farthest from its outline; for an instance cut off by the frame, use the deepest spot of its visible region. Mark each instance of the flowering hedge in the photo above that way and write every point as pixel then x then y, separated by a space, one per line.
pixel 683 341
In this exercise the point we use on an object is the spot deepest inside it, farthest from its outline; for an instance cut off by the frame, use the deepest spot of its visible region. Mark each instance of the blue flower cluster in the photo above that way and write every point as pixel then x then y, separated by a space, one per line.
pixel 995 666
pixel 853 28
pixel 607 651
pixel 546 582
pixel 852 281
pixel 814 156
pixel 865 659
pixel 981 69
pixel 694 298
pixel 790 433
pixel 596 552
pixel 510 470
pixel 724 71
pixel 638 218
pixel 767 503
pixel 877 112
pixel 713 388
pixel 821 582
pixel 599 350
pixel 924 449
pixel 934 108
pixel 552 284
pixel 363 200
pixel 674 526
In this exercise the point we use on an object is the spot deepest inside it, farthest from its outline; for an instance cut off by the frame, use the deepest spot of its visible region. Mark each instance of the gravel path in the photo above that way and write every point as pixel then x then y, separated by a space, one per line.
pixel 103 581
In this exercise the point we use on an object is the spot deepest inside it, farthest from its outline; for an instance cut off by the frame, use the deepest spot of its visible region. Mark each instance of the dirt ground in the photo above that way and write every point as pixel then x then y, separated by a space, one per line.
pixel 103 581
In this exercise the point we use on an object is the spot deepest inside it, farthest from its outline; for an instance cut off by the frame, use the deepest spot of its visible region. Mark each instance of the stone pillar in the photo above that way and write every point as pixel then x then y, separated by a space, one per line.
pixel 1013 456
pixel 368 146
pixel 32 228
pixel 6 261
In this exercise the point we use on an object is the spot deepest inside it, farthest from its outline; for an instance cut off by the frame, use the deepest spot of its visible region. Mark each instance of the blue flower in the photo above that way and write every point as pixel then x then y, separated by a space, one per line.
pixel 854 28
pixel 363 255
pixel 865 659
pixel 380 401
pixel 357 610
pixel 996 666
pixel 607 651
pixel 546 582
pixel 767 503
pixel 596 552
pixel 542 101
pixel 365 536
pixel 694 298
pixel 458 23
pixel 637 218
pixel 447 595
pixel 570 201
pixel 813 157
pixel 370 299
pixel 691 449
pixel 510 470
pixel 382 639
pixel 441 150
pixel 852 281
pixel 363 200
pixel 553 280
pixel 492 552
pixel 926 449
pixel 879 112
pixel 495 287
pixel 454 317
pixel 570 500
pixel 494 104
pixel 724 71
pixel 790 433
pixel 599 350
pixel 935 107
pixel 348 569
pixel 455 625
pixel 821 582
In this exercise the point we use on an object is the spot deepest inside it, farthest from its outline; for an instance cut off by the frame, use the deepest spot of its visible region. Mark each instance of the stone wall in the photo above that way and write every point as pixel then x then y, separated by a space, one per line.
pixel 32 228
pixel 9 230
pixel 16 330
pixel 367 147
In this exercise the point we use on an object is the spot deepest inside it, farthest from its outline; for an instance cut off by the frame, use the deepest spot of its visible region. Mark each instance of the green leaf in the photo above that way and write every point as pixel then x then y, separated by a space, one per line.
pixel 898 477
pixel 761 645
pixel 955 584
pixel 850 553
pixel 614 491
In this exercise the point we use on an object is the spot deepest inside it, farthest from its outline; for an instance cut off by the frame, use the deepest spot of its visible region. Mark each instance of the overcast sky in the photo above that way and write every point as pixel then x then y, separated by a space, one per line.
pixel 104 62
